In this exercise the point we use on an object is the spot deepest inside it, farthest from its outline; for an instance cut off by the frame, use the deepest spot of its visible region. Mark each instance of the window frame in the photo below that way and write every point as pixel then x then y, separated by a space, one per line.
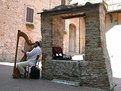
pixel 29 15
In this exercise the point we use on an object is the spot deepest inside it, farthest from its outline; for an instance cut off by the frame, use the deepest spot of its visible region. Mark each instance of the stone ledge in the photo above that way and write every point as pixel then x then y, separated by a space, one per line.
pixel 72 83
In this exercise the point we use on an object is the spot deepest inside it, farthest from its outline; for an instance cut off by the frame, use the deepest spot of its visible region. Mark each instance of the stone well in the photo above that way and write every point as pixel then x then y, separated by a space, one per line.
pixel 95 69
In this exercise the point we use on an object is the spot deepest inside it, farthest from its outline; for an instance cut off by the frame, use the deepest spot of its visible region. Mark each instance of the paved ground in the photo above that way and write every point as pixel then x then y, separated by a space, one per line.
pixel 118 84
pixel 7 83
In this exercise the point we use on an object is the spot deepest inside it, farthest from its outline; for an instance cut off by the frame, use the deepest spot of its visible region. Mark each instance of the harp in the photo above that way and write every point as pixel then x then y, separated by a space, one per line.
pixel 27 48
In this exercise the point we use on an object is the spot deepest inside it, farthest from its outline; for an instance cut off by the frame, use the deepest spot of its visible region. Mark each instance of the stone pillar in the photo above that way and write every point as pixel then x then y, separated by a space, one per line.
pixel 98 69
pixel 46 29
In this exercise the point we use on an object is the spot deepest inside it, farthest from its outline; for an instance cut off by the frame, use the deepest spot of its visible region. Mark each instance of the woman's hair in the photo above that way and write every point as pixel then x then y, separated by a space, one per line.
pixel 39 43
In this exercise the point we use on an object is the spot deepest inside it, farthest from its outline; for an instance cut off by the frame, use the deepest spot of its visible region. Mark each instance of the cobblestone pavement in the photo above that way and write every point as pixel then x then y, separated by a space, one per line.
pixel 7 83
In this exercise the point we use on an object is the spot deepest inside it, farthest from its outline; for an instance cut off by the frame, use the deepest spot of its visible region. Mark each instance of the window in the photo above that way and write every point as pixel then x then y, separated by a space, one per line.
pixel 29 15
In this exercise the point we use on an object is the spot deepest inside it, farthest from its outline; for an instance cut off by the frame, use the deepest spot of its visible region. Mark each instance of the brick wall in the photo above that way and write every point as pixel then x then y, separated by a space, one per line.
pixel 13 18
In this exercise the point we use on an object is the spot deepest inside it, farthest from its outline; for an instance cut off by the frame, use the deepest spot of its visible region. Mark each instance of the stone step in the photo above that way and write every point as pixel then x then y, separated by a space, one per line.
pixel 72 83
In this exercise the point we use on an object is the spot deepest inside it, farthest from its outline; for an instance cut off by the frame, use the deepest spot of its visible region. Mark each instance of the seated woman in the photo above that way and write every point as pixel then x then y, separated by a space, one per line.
pixel 31 58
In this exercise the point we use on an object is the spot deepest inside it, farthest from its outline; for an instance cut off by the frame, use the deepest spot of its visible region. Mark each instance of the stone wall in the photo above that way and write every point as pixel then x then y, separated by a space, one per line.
pixel 57 33
pixel 13 18
pixel 63 69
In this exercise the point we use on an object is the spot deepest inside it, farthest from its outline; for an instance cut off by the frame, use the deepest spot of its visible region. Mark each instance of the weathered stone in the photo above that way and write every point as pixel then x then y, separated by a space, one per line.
pixel 96 70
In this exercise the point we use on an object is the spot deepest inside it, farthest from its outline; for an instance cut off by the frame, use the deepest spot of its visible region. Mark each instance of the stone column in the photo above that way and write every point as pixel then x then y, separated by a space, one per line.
pixel 97 73
pixel 46 29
